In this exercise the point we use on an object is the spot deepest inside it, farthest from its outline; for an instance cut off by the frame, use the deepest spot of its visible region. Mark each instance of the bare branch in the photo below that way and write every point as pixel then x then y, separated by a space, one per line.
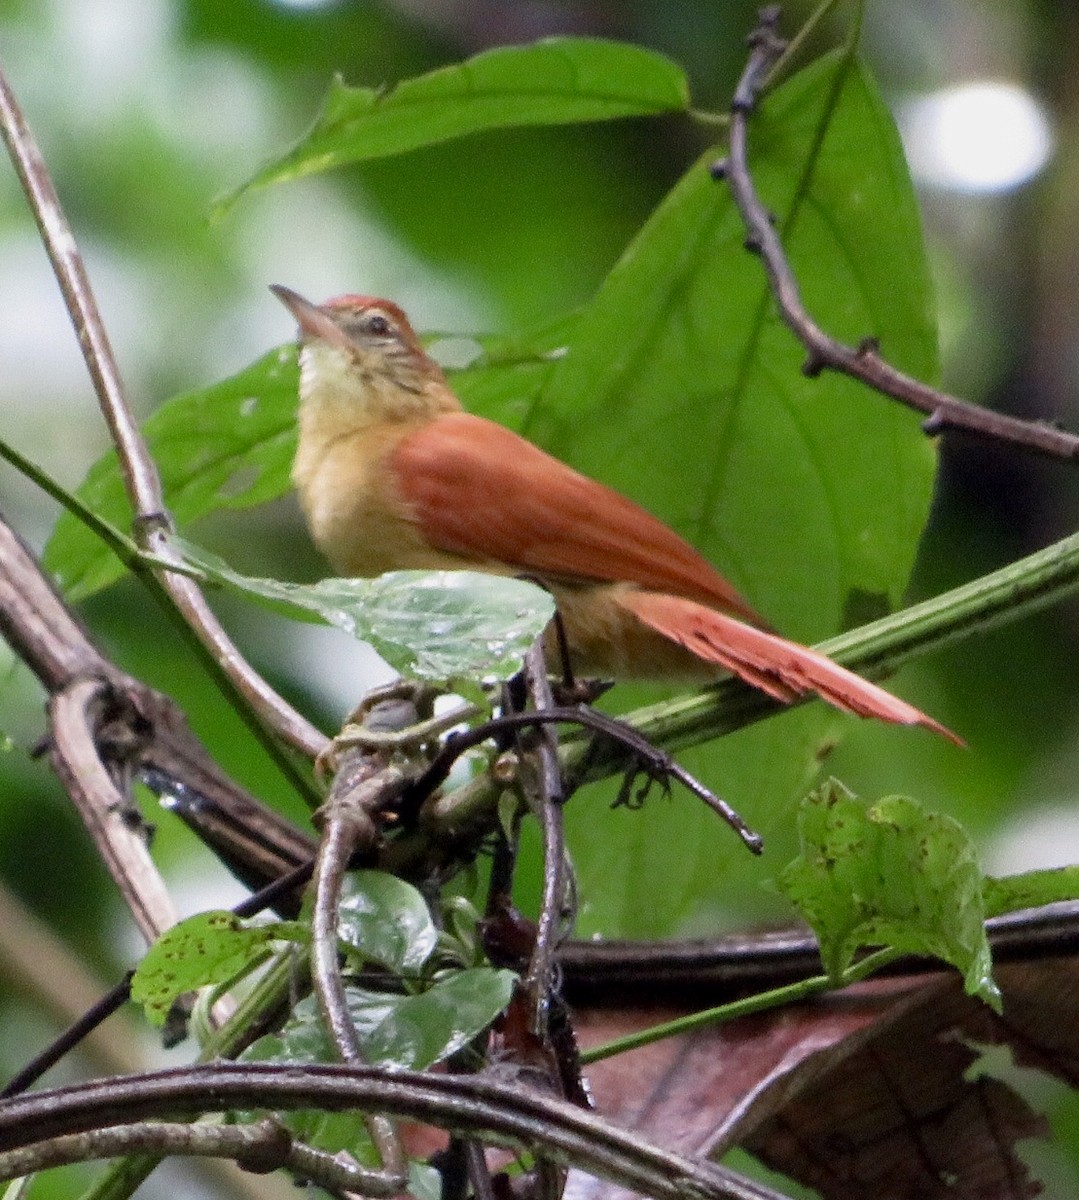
pixel 715 969
pixel 507 1114
pixel 37 964
pixel 114 726
pixel 863 362
pixel 36 623
pixel 115 826
pixel 626 743
pixel 263 1146
pixel 92 1015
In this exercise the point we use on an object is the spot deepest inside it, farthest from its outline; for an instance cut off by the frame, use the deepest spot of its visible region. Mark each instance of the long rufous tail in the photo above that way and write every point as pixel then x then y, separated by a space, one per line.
pixel 782 669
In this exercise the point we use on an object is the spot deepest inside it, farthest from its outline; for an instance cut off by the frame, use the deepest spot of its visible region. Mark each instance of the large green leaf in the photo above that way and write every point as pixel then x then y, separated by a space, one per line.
pixel 682 387
pixel 558 81
pixel 416 1031
pixel 226 446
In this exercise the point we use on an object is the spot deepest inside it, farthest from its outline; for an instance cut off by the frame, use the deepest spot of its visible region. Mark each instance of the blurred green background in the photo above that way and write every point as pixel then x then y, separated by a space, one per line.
pixel 149 109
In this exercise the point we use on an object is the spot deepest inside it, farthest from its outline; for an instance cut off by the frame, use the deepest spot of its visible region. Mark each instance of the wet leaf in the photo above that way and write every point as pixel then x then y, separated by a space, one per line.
pixel 387 920
pixel 436 625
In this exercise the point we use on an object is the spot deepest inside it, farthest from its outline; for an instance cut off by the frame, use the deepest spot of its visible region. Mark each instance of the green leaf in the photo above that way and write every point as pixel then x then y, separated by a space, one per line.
pixel 387 920
pixel 1030 890
pixel 681 387
pixel 553 82
pixel 408 1031
pixel 302 1039
pixel 209 948
pixel 416 1031
pixel 226 446
pixel 890 875
pixel 436 625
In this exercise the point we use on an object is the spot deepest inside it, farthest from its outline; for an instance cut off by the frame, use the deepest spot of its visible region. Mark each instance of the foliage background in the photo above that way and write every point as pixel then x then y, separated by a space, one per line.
pixel 149 109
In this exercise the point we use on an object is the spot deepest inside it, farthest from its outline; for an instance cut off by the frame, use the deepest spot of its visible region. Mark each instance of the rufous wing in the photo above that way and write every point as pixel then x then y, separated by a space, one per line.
pixel 785 670
pixel 479 490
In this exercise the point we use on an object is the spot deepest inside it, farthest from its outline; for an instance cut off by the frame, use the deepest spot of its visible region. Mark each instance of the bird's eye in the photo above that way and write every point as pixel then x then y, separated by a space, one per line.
pixel 378 325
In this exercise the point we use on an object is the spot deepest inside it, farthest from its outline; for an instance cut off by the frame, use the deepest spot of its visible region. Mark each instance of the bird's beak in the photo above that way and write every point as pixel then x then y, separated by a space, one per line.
pixel 314 322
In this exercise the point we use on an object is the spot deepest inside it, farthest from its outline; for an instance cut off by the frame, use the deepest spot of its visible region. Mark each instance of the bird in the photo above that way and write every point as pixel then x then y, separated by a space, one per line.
pixel 393 474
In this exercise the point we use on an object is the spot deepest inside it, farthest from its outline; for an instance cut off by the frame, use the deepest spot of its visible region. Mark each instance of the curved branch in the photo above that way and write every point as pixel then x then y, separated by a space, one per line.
pixel 76 714
pixel 263 1146
pixel 364 786
pixel 863 362
pixel 503 1113
pixel 548 797
pixel 626 744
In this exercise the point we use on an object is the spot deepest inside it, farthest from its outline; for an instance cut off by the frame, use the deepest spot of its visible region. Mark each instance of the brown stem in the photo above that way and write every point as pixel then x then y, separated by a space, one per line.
pixel 263 1146
pixel 547 806
pixel 76 714
pixel 365 785
pixel 642 754
pixel 108 727
pixel 863 362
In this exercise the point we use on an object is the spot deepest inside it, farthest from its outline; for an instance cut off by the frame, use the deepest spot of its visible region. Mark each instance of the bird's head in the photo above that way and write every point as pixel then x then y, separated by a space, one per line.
pixel 361 351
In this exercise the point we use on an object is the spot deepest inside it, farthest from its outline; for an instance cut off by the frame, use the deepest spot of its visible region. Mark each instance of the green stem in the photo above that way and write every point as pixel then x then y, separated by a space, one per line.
pixel 1013 592
pixel 117 541
pixel 795 45
pixel 791 993
pixel 711 120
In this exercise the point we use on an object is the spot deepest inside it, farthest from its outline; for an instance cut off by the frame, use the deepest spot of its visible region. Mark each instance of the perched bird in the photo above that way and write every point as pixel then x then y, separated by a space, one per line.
pixel 394 475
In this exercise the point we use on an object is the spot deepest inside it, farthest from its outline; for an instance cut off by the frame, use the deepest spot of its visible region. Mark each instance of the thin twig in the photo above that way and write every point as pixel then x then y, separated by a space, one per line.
pixel 365 785
pixel 263 1146
pixel 74 1035
pixel 479 1174
pixel 139 472
pixel 269 896
pixel 547 805
pixel 794 47
pixel 863 362
pixel 631 745
pixel 137 562
pixel 98 1012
